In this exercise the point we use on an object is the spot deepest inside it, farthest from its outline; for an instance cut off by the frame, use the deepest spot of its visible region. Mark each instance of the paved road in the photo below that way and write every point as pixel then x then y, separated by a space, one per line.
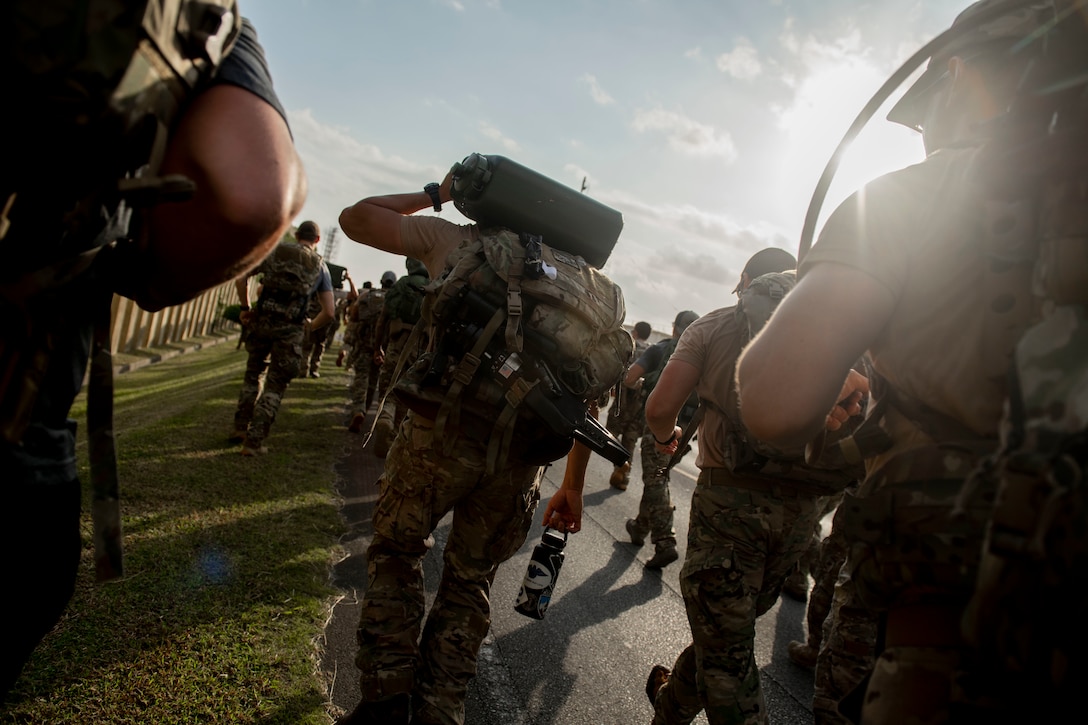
pixel 610 619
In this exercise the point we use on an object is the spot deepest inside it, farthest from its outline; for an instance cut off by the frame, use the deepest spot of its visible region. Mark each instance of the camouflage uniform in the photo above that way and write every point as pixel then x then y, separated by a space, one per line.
pixel 314 344
pixel 746 533
pixel 841 629
pixel 742 543
pixel 359 337
pixel 627 415
pixel 274 343
pixel 911 561
pixel 655 509
pixel 492 515
pixel 398 332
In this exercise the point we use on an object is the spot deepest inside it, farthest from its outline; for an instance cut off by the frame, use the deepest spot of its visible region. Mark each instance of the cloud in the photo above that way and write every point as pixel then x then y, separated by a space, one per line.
pixel 685 134
pixel 689 227
pixel 600 96
pixel 496 135
pixel 837 78
pixel 694 53
pixel 454 4
pixel 742 62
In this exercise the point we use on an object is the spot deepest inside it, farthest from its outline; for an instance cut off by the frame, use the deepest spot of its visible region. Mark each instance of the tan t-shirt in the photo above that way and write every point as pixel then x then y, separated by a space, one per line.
pixel 430 239
pixel 919 232
pixel 711 345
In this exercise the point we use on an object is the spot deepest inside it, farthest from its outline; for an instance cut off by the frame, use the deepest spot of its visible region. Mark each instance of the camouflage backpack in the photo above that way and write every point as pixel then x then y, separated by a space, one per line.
pixel 289 275
pixel 828 472
pixel 404 300
pixel 360 325
pixel 525 337
pixel 1026 615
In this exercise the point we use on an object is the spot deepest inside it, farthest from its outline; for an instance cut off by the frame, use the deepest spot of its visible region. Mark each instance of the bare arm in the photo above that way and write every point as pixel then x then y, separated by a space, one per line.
pixel 793 372
pixel 250 185
pixel 564 512
pixel 241 286
pixel 673 388
pixel 634 373
pixel 328 310
pixel 375 221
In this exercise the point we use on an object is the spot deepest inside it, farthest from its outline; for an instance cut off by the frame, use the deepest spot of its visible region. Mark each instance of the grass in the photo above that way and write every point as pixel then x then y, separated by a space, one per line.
pixel 226 586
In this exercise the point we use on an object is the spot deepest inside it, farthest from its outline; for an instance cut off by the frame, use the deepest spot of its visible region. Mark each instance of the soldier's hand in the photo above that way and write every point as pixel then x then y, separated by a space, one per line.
pixel 854 389
pixel 246 318
pixel 340 359
pixel 670 446
pixel 379 357
pixel 564 511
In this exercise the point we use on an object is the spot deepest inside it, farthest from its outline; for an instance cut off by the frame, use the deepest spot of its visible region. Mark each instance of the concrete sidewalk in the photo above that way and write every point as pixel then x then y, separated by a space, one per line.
pixel 357 484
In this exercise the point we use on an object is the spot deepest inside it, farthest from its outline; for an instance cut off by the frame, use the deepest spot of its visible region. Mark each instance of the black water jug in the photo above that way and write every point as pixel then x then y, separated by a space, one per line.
pixel 493 190
pixel 540 576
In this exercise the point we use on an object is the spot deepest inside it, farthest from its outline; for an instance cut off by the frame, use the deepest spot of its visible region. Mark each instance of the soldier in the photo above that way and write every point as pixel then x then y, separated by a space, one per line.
pixel 388 279
pixel 399 315
pixel 655 509
pixel 626 415
pixel 403 672
pixel 232 139
pixel 751 516
pixel 912 270
pixel 291 275
pixel 313 347
pixel 357 354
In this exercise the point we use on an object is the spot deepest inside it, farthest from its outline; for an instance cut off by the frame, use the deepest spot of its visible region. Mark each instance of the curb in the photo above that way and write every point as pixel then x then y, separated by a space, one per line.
pixel 159 357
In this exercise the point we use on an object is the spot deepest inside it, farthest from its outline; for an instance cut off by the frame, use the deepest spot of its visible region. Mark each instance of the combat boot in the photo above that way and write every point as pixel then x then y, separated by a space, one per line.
pixel 637 534
pixel 619 477
pixel 659 675
pixel 383 438
pixel 237 435
pixel 802 654
pixel 356 422
pixel 796 586
pixel 390 711
pixel 664 555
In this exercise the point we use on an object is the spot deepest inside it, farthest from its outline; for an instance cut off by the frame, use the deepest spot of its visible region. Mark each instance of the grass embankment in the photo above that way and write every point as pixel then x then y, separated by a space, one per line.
pixel 226 560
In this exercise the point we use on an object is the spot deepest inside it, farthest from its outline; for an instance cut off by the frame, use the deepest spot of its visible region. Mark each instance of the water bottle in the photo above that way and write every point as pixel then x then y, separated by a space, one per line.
pixel 540 576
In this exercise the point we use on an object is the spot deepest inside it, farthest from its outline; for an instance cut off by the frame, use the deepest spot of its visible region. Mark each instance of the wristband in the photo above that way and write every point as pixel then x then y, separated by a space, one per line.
pixel 243 308
pixel 665 443
pixel 432 191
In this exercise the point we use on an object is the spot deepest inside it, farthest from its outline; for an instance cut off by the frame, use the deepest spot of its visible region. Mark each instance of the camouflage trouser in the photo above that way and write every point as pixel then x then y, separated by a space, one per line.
pixel 742 543
pixel 655 509
pixel 277 349
pixel 393 411
pixel 492 515
pixel 810 565
pixel 313 348
pixel 916 565
pixel 372 383
pixel 627 418
pixel 842 630
pixel 360 364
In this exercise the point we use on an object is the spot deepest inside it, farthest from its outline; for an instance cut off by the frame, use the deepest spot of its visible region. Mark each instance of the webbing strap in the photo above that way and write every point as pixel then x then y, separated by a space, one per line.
pixel 106 506
pixel 466 369
pixel 498 447
pixel 514 306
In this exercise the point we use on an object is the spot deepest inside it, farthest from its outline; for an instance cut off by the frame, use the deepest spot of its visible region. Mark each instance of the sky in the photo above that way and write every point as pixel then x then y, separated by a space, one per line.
pixel 705 123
